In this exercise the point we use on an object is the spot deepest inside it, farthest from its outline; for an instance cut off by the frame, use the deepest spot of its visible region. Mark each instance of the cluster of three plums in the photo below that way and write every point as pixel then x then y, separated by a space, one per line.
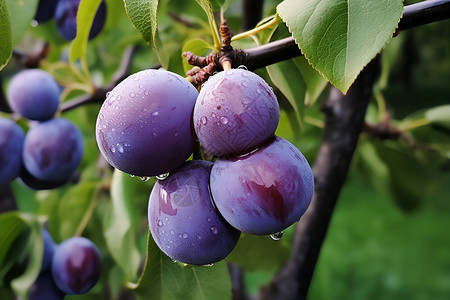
pixel 258 184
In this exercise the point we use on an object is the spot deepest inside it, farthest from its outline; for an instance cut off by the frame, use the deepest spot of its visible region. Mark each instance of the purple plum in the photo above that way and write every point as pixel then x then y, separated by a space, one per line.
pixel 265 191
pixel 11 145
pixel 236 112
pixel 144 126
pixel 183 221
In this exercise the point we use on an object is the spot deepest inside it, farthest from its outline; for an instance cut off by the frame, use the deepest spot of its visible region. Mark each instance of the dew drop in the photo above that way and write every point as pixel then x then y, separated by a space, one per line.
pixel 244 83
pixel 175 261
pixel 108 94
pixel 224 120
pixel 131 175
pixel 258 91
pixel 141 86
pixel 119 148
pixel 136 78
pixel 146 93
pixel 176 133
pixel 101 116
pixel 160 223
pixel 180 235
pixel 208 219
pixel 199 236
pixel 172 232
pixel 242 67
pixel 118 97
pixel 155 113
pixel 277 236
pixel 162 176
pixel 185 235
pixel 166 219
pixel 246 101
pixel 154 134
pixel 214 230
pixel 113 149
pixel 204 120
pixel 132 95
pixel 144 178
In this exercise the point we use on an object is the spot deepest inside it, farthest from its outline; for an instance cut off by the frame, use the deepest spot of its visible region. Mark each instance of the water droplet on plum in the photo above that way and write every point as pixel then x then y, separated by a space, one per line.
pixel 144 178
pixel 214 230
pixel 277 236
pixel 204 120
pixel 162 176
pixel 224 120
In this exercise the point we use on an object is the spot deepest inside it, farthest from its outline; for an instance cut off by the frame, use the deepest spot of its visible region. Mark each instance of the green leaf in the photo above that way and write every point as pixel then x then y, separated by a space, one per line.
pixel 259 253
pixel 11 225
pixel 85 17
pixel 22 284
pixel 119 232
pixel 143 15
pixel 206 6
pixel 73 207
pixel 315 83
pixel 196 46
pixel 5 35
pixel 439 115
pixel 167 280
pixel 340 37
pixel 289 80
pixel 21 13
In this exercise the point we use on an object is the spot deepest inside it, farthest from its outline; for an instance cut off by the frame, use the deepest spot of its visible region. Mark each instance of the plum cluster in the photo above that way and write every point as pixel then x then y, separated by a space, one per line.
pixel 70 268
pixel 48 155
pixel 65 12
pixel 258 183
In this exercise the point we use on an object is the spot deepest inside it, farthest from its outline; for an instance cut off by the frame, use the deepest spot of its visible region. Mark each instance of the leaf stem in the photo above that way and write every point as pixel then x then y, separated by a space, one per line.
pixel 89 211
pixel 275 20
pixel 410 125
pixel 314 121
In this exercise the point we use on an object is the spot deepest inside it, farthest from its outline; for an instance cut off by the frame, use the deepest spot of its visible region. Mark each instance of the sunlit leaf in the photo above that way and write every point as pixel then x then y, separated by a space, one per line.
pixel 119 233
pixel 289 80
pixel 196 46
pixel 143 15
pixel 5 34
pixel 340 37
pixel 439 115
pixel 21 14
pixel 85 16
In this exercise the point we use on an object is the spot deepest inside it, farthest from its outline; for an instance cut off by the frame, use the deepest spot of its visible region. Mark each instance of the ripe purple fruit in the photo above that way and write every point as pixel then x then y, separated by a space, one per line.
pixel 76 265
pixel 11 145
pixel 38 184
pixel 236 112
pixel 45 10
pixel 66 19
pixel 265 191
pixel 144 126
pixel 34 94
pixel 183 221
pixel 44 288
pixel 53 150
pixel 49 246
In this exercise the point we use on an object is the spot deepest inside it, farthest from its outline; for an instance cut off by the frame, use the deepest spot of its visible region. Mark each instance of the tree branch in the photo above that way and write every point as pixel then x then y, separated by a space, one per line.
pixel 414 15
pixel 344 121
pixel 99 94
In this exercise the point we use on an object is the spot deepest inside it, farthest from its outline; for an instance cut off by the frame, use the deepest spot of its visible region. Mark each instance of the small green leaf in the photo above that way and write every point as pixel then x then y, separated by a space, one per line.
pixel 72 209
pixel 143 15
pixel 289 80
pixel 85 17
pixel 167 280
pixel 22 284
pixel 315 83
pixel 119 232
pixel 11 225
pixel 5 35
pixel 21 13
pixel 206 6
pixel 439 115
pixel 196 46
pixel 340 37
pixel 259 253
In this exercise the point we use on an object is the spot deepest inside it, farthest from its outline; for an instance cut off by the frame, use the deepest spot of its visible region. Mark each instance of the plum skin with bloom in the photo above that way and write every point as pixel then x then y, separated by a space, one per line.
pixel 236 112
pixel 34 94
pixel 265 191
pixel 144 125
pixel 76 265
pixel 53 149
pixel 183 221
pixel 11 145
